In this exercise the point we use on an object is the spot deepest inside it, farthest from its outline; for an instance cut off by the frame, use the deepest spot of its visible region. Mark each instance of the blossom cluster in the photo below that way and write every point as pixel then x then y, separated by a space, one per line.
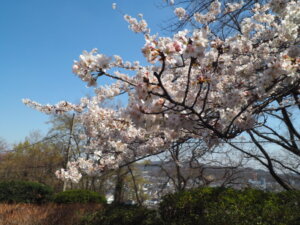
pixel 59 108
pixel 137 26
pixel 90 61
pixel 214 10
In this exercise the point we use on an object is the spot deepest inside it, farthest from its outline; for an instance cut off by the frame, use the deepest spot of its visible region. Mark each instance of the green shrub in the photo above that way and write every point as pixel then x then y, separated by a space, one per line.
pixel 123 215
pixel 23 191
pixel 239 207
pixel 79 196
pixel 221 206
pixel 188 207
pixel 287 207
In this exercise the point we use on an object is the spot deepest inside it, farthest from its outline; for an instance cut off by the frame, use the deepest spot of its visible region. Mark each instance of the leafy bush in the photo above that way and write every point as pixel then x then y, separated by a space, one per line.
pixel 23 191
pixel 123 215
pixel 220 206
pixel 79 196
pixel 287 208
pixel 187 207
pixel 240 207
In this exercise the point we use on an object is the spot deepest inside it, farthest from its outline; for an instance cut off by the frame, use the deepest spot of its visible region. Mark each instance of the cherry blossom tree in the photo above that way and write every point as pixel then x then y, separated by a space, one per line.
pixel 196 85
pixel 276 138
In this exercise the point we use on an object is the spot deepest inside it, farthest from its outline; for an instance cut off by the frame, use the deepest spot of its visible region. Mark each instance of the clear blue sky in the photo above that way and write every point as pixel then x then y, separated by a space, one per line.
pixel 39 41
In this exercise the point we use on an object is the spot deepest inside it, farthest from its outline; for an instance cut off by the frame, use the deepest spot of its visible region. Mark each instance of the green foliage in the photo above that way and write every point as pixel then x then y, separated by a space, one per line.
pixel 26 192
pixel 79 196
pixel 220 206
pixel 36 163
pixel 187 207
pixel 123 215
pixel 288 207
